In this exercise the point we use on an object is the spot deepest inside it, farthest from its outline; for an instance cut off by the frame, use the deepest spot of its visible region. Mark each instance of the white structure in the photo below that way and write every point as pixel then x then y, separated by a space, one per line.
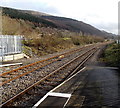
pixel 10 45
pixel 118 41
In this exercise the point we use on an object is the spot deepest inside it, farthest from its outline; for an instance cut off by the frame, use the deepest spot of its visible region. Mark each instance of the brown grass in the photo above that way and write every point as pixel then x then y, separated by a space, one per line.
pixel 44 40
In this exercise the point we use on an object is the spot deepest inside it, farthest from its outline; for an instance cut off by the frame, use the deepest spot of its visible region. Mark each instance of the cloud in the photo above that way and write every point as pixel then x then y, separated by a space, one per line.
pixel 36 5
pixel 110 27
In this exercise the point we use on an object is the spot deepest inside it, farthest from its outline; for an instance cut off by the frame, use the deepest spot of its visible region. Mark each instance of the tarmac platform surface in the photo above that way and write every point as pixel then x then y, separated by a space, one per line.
pixel 94 86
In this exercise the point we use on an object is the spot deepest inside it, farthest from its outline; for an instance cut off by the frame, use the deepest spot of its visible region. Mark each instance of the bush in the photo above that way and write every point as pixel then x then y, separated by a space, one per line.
pixel 112 55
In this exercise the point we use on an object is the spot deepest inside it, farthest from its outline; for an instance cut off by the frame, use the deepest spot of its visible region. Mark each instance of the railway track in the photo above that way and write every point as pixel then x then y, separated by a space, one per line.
pixel 55 77
pixel 50 80
pixel 7 67
pixel 17 80
pixel 24 70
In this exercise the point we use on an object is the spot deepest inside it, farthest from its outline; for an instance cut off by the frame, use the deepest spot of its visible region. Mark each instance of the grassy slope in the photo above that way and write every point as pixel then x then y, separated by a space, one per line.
pixel 43 40
pixel 111 55
pixel 53 21
pixel 18 27
pixel 16 14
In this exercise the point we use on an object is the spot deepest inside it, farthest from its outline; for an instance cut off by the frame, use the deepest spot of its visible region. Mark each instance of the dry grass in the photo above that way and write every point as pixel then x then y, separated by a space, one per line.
pixel 17 27
pixel 44 40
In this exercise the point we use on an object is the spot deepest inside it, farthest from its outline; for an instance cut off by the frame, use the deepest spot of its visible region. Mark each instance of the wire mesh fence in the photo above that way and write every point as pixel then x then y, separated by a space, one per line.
pixel 10 44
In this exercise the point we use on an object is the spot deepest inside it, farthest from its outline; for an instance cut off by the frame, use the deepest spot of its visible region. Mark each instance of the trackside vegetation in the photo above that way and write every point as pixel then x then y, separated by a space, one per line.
pixel 43 36
pixel 111 55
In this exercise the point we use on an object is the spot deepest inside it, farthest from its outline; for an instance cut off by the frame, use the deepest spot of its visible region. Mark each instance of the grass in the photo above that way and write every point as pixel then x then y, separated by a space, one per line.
pixel 111 55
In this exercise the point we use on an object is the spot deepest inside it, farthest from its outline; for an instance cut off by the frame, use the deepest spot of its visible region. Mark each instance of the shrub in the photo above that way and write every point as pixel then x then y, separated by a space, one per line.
pixel 112 55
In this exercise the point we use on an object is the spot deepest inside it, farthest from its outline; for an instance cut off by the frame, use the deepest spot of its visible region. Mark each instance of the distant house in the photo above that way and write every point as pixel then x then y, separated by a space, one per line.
pixel 10 45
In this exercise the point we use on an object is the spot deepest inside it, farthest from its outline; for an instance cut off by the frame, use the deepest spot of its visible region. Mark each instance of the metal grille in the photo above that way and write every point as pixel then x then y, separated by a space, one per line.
pixel 10 44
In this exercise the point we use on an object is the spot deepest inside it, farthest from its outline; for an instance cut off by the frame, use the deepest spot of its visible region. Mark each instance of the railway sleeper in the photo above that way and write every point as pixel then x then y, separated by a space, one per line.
pixel 57 80
pixel 41 90
pixel 49 83
pixel 6 76
pixel 14 73
pixel 36 92
pixel 45 89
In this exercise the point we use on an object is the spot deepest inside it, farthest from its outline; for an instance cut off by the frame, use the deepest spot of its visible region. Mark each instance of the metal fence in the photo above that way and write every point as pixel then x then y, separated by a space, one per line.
pixel 10 44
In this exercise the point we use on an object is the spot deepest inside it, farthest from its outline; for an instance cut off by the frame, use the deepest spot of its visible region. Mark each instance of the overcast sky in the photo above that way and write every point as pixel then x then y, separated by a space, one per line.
pixel 103 14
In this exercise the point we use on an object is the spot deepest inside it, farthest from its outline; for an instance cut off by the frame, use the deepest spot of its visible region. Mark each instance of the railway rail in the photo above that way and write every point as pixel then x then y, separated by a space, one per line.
pixel 54 78
pixel 24 70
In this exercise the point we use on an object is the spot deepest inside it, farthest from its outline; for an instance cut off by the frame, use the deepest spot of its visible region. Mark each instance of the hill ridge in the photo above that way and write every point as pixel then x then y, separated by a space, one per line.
pixel 55 21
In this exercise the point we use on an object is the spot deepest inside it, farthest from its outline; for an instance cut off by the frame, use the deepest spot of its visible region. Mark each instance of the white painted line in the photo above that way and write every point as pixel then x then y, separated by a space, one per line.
pixel 66 102
pixel 65 95
pixel 10 64
pixel 67 79
pixel 50 92
pixel 40 101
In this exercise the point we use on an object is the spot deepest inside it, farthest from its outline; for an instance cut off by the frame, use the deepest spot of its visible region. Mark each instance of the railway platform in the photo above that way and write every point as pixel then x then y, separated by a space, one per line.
pixel 95 85
pixel 91 86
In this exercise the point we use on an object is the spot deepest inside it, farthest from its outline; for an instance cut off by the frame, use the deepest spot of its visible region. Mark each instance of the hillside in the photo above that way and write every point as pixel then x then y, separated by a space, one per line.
pixel 44 34
pixel 71 24
pixel 54 21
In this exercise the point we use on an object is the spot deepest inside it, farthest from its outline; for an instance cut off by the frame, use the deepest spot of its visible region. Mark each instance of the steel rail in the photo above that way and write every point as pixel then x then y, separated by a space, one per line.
pixel 5 82
pixel 80 64
pixel 2 83
pixel 43 79
pixel 22 67
pixel 23 74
